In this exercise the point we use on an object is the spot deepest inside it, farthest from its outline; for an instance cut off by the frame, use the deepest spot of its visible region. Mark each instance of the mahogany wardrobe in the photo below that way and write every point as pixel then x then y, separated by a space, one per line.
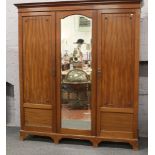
pixel 79 68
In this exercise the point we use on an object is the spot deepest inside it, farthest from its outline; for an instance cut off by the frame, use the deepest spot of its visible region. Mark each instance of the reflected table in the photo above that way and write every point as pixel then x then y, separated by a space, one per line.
pixel 78 88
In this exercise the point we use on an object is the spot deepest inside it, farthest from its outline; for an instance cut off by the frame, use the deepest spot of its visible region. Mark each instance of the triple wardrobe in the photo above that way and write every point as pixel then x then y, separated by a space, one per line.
pixel 79 70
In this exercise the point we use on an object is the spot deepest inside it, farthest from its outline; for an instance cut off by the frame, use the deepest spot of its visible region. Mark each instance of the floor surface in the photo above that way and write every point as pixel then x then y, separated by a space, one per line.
pixel 35 145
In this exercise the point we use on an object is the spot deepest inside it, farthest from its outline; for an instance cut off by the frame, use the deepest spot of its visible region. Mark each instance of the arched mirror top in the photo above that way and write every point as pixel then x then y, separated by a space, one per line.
pixel 75 14
pixel 75 28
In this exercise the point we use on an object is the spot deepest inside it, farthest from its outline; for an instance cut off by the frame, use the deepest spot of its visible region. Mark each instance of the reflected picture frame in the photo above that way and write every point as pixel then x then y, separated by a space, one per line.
pixel 83 24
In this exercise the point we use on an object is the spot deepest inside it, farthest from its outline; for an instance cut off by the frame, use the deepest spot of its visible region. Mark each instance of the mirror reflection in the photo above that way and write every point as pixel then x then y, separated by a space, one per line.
pixel 76 36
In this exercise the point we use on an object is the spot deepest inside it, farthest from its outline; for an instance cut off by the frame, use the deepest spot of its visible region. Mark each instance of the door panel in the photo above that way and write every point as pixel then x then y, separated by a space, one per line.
pixel 117 61
pixel 38 68
pixel 116 73
pixel 111 121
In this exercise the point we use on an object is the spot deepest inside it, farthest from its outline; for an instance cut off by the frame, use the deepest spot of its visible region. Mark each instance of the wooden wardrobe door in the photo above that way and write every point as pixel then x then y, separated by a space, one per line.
pixel 59 16
pixel 116 74
pixel 38 67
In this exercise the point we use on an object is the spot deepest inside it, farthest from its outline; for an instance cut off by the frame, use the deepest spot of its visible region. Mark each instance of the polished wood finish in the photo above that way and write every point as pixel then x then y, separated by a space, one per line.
pixel 114 102
pixel 136 71
pixel 117 52
pixel 78 5
pixel 37 66
pixel 37 106
pixel 75 132
pixel 76 2
pixel 116 79
pixel 37 76
pixel 117 110
pixel 73 8
pixel 111 122
pixel 37 117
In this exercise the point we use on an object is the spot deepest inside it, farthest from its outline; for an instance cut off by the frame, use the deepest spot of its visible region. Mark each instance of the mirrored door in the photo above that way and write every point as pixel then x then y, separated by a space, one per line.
pixel 76 72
